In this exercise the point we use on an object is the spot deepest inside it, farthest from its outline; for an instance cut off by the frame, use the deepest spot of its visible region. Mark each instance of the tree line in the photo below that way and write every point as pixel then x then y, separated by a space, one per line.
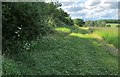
pixel 94 23
pixel 100 23
pixel 111 20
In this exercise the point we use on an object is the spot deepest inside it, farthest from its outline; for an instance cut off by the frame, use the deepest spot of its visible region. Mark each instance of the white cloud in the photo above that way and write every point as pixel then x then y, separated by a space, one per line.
pixel 91 8
pixel 71 1
pixel 90 4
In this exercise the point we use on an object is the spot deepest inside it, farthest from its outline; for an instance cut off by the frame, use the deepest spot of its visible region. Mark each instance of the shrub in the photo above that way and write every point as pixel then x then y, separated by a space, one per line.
pixel 79 22
pixel 108 25
pixel 22 22
pixel 118 25
pixel 26 21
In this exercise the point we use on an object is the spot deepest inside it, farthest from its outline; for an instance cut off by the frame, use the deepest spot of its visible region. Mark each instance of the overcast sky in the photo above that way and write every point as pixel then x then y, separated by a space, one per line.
pixel 91 9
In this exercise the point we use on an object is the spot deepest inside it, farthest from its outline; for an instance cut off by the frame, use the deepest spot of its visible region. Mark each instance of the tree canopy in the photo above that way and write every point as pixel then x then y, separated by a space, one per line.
pixel 26 21
pixel 79 22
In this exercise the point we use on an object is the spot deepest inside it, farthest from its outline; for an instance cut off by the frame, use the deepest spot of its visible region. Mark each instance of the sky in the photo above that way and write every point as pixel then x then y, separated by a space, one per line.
pixel 91 9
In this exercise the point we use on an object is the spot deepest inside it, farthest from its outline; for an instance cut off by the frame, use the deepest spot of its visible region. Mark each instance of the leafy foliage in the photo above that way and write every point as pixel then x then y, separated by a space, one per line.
pixel 79 22
pixel 100 23
pixel 58 16
pixel 26 21
pixel 111 20
pixel 97 23
pixel 89 23
pixel 69 21
pixel 108 25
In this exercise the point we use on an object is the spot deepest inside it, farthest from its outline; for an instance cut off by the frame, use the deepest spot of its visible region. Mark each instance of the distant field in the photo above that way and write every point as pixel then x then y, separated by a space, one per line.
pixel 110 34
pixel 112 24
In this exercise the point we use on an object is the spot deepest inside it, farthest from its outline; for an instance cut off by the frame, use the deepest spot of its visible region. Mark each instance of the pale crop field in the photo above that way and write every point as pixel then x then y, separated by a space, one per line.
pixel 109 34
pixel 112 24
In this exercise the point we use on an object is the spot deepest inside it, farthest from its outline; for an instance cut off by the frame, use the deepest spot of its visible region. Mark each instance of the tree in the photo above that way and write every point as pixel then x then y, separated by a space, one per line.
pixel 56 16
pixel 26 21
pixel 111 20
pixel 69 21
pixel 100 23
pixel 89 23
pixel 79 22
pixel 108 25
pixel 97 23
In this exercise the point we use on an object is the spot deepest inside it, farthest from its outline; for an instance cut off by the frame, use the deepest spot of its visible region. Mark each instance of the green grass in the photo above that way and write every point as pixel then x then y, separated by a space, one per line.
pixel 75 52
pixel 110 34
pixel 66 30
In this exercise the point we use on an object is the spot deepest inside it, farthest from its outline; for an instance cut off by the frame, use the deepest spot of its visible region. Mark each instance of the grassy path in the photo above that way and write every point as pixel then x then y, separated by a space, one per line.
pixel 70 50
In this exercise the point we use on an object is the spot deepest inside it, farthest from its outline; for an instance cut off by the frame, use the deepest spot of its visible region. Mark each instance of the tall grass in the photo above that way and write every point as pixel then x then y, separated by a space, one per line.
pixel 110 34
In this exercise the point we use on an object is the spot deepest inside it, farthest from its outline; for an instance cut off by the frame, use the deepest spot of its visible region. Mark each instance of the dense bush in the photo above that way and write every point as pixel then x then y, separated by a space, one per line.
pixel 69 21
pixel 118 25
pixel 79 22
pixel 60 17
pixel 25 21
pixel 108 25
pixel 22 22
